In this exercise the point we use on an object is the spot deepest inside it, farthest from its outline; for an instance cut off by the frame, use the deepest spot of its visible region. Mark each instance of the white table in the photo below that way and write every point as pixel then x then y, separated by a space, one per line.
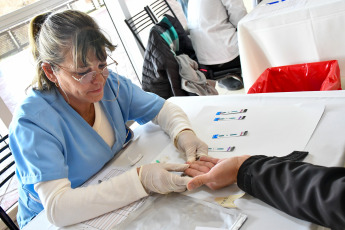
pixel 291 32
pixel 326 147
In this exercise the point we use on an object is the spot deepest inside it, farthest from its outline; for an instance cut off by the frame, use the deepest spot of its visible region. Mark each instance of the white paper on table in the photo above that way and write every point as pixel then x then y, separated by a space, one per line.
pixel 272 130
pixel 209 228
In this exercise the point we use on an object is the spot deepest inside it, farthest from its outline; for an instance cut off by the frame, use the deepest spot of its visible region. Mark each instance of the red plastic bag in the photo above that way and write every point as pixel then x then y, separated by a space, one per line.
pixel 316 76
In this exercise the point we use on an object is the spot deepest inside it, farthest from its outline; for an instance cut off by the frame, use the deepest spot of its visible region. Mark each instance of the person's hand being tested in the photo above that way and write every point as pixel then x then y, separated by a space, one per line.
pixel 191 145
pixel 157 178
pixel 223 173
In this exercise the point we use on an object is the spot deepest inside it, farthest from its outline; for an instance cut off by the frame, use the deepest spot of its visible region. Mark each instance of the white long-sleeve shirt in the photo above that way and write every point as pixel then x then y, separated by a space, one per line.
pixel 66 206
pixel 212 25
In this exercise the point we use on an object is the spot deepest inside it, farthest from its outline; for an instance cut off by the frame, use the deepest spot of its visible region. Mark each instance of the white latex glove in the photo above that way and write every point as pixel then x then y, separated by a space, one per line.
pixel 191 145
pixel 157 178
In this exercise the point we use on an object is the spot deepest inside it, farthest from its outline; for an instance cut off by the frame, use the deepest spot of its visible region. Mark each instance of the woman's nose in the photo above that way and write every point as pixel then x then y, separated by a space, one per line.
pixel 97 77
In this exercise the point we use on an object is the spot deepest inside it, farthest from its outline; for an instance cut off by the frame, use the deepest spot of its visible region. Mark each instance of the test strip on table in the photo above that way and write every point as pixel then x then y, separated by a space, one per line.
pixel 271 3
pixel 229 149
pixel 232 112
pixel 229 118
pixel 217 136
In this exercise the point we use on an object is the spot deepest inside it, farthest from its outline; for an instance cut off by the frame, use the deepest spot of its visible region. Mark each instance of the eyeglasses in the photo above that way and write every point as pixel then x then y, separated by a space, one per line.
pixel 88 77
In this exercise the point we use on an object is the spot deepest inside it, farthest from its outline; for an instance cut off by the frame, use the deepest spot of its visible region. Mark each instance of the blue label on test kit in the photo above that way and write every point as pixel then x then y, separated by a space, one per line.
pixel 215 136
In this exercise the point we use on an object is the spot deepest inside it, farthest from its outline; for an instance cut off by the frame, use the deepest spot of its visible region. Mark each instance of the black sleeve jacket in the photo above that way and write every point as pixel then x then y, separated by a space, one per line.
pixel 309 192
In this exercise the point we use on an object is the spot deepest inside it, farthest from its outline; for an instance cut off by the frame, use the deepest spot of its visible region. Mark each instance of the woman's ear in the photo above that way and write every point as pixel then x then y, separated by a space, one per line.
pixel 47 68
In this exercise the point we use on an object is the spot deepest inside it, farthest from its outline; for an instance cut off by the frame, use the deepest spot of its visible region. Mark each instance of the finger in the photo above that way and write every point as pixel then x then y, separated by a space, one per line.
pixel 201 163
pixel 178 183
pixel 193 172
pixel 180 189
pixel 174 167
pixel 190 153
pixel 209 165
pixel 181 180
pixel 200 154
pixel 209 159
pixel 213 186
pixel 200 167
pixel 197 182
pixel 202 150
pixel 191 157
pixel 206 164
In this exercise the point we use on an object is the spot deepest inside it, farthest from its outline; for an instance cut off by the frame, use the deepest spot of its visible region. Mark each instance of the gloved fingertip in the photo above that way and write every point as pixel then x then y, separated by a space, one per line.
pixel 191 159
pixel 199 155
pixel 185 166
pixel 184 182
pixel 175 167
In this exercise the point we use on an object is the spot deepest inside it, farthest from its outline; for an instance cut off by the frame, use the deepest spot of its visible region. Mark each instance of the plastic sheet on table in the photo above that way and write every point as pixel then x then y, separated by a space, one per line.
pixel 176 211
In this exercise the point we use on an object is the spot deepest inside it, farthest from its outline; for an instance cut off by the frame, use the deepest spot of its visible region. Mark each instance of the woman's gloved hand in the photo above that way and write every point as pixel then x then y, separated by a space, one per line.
pixel 157 178
pixel 186 141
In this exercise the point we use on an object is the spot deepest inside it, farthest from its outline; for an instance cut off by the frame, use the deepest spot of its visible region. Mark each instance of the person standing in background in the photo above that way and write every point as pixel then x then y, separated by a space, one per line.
pixel 184 5
pixel 213 30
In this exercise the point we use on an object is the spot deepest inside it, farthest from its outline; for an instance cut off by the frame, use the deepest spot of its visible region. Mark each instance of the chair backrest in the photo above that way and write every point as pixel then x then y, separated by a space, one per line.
pixel 145 19
pixel 7 171
pixel 139 22
pixel 161 7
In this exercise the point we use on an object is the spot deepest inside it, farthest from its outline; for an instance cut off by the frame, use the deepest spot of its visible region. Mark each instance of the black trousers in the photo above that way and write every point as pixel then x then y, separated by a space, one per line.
pixel 228 65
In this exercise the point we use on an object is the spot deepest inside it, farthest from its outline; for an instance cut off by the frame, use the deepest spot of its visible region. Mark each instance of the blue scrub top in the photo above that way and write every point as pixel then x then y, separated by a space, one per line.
pixel 50 140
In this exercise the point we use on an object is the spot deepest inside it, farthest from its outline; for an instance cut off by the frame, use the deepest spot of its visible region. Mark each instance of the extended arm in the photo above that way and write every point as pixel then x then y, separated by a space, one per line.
pixel 306 191
pixel 309 192
pixel 66 206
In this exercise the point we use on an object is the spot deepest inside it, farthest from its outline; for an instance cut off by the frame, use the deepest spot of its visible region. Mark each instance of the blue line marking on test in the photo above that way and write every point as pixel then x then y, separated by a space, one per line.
pixel 216 119
pixel 215 136
pixel 270 3
pixel 218 113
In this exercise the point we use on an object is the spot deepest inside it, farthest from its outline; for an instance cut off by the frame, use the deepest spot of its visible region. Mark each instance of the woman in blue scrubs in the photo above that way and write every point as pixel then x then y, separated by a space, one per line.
pixel 73 122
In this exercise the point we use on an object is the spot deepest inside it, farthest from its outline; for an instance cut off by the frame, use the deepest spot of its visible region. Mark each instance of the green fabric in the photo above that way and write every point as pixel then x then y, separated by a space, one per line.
pixel 170 35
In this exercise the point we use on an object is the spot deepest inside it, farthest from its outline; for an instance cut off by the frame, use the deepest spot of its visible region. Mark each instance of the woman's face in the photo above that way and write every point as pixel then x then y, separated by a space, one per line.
pixel 81 94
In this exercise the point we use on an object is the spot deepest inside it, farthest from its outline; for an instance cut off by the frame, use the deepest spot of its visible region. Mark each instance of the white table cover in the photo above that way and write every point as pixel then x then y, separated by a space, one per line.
pixel 291 32
pixel 326 147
